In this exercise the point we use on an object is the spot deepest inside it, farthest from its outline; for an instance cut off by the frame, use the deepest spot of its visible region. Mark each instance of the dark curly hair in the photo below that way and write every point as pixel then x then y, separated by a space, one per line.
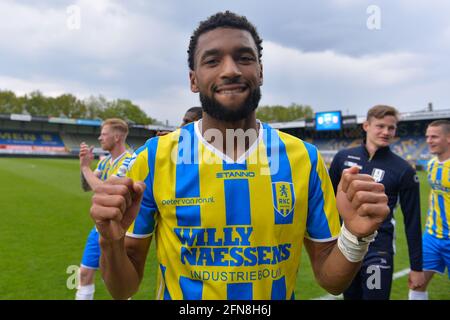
pixel 225 19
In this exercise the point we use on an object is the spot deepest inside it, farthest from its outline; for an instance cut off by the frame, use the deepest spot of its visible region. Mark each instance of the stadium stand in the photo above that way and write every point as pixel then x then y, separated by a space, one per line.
pixel 42 136
pixel 24 135
pixel 410 142
pixel 28 142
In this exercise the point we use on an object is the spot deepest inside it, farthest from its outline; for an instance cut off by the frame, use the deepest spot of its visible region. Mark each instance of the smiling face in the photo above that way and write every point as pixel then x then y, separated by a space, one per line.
pixel 438 141
pixel 380 132
pixel 227 73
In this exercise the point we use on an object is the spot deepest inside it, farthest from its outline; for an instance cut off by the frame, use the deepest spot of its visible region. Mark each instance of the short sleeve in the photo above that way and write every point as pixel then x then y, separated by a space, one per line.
pixel 100 167
pixel 140 167
pixel 323 222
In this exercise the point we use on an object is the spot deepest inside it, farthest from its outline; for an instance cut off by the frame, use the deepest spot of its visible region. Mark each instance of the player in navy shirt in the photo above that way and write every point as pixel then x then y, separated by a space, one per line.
pixel 374 157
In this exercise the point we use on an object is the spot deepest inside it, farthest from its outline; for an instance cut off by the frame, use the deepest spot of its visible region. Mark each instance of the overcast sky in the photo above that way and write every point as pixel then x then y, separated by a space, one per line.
pixel 333 55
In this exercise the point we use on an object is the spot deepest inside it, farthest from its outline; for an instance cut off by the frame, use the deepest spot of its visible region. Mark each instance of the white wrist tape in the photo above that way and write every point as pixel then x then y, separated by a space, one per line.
pixel 353 248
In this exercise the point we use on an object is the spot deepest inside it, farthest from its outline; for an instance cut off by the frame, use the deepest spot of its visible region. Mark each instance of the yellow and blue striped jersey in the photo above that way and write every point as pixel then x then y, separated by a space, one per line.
pixel 231 230
pixel 439 204
pixel 106 167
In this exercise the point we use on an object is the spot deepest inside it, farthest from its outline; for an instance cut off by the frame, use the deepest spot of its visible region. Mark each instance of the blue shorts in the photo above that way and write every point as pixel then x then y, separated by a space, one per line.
pixel 436 254
pixel 91 254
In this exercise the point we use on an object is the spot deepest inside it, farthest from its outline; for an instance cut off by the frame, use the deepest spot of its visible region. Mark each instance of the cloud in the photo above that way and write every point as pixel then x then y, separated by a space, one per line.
pixel 50 87
pixel 346 3
pixel 378 70
pixel 326 78
pixel 107 31
pixel 321 54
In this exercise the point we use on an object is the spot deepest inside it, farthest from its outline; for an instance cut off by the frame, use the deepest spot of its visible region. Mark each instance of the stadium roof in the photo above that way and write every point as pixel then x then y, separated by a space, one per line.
pixel 301 123
pixel 85 122
pixel 407 116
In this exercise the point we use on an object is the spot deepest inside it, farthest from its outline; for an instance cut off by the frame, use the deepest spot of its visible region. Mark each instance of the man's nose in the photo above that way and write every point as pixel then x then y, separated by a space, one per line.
pixel 230 69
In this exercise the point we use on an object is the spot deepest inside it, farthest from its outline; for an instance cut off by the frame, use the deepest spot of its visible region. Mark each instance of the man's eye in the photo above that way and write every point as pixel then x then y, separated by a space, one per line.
pixel 211 61
pixel 247 59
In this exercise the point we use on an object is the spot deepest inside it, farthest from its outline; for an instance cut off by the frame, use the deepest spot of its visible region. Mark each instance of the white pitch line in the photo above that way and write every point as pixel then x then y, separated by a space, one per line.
pixel 395 276
pixel 401 273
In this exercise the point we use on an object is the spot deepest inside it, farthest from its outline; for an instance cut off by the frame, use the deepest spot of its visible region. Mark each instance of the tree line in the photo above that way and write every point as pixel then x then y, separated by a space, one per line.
pixel 69 106
pixel 279 113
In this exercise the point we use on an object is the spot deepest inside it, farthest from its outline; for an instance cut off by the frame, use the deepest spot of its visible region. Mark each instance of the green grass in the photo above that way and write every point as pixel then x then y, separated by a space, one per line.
pixel 45 222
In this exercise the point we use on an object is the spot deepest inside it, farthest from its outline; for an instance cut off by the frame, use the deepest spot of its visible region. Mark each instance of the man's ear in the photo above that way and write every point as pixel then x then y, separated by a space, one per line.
pixel 365 125
pixel 261 74
pixel 193 81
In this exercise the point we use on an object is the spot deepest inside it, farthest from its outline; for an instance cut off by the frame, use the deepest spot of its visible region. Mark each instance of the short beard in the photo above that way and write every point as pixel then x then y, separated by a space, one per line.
pixel 216 110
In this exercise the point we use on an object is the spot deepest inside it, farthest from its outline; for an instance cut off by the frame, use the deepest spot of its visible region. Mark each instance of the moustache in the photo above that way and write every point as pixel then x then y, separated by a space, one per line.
pixel 228 82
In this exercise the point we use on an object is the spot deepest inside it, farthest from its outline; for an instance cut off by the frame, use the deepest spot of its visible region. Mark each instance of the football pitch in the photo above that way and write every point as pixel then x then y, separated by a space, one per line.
pixel 45 222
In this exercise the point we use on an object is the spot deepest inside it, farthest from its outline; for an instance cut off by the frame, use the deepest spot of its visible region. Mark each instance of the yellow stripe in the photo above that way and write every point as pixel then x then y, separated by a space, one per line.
pixel 138 172
pixel 330 208
pixel 300 170
pixel 164 186
pixel 260 190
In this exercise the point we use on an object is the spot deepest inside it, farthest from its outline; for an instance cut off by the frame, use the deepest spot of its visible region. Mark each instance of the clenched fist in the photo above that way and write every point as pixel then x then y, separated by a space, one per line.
pixel 361 202
pixel 115 205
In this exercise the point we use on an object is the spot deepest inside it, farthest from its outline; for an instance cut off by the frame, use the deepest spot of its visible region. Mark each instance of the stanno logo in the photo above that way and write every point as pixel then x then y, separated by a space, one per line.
pixel 235 174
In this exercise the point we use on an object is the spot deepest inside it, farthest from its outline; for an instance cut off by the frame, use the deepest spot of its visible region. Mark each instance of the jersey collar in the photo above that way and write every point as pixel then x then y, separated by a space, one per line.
pixel 117 159
pixel 380 151
pixel 220 154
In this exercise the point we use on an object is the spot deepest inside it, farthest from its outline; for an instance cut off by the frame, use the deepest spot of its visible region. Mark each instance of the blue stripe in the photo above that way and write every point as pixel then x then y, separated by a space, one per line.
pixel 439 174
pixel 166 292
pixel 280 169
pixel 237 202
pixel 192 289
pixel 144 146
pixel 239 291
pixel 316 223
pixel 430 170
pixel 279 289
pixel 234 166
pixel 104 173
pixel 434 228
pixel 443 216
pixel 187 183
pixel 429 213
pixel 106 167
pixel 101 164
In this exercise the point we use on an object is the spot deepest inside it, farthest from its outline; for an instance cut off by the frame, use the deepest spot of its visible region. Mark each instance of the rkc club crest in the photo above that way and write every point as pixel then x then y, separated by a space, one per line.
pixel 283 197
